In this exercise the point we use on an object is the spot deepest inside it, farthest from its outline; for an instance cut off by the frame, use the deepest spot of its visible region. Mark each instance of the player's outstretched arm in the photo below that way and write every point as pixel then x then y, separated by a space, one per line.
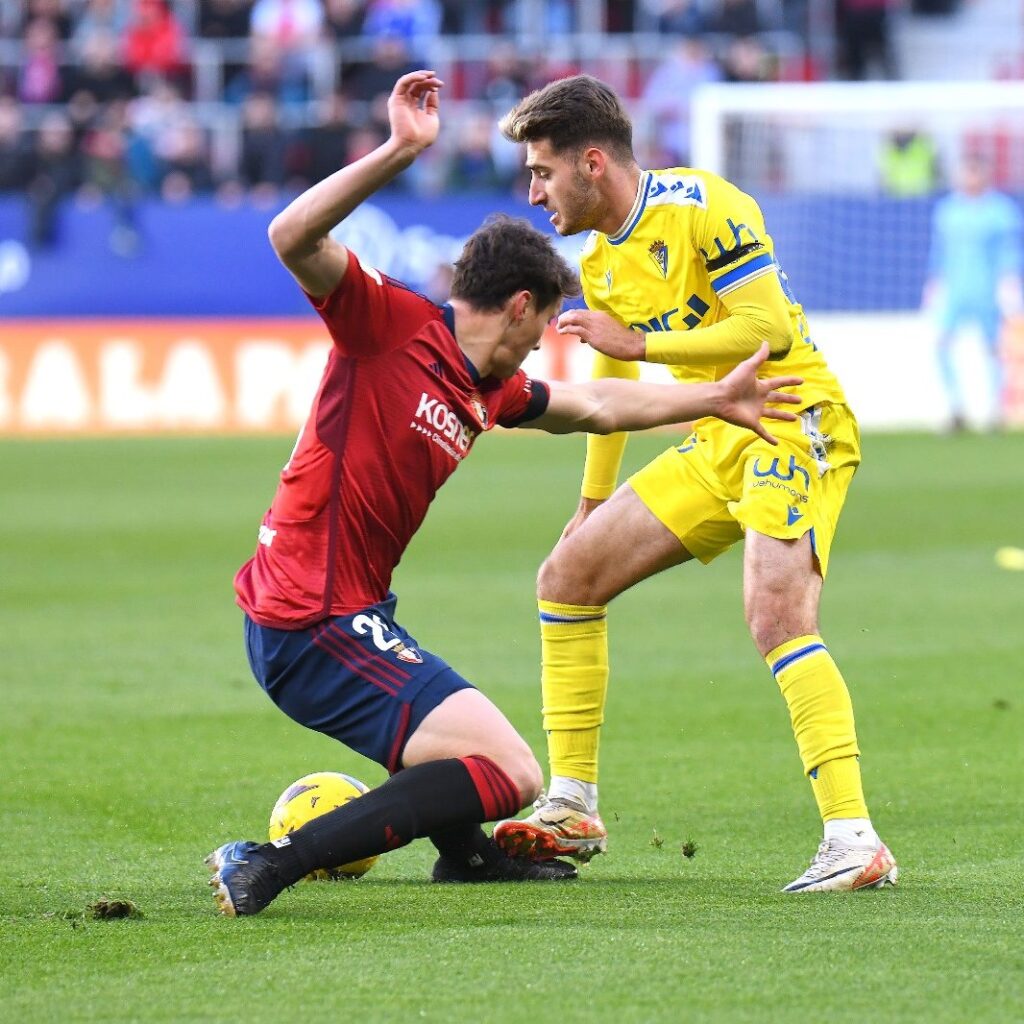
pixel 606 406
pixel 300 233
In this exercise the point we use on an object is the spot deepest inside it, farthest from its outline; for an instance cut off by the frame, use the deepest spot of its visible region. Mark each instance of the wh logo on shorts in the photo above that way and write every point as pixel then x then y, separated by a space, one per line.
pixel 787 480
pixel 773 470
pixel 384 640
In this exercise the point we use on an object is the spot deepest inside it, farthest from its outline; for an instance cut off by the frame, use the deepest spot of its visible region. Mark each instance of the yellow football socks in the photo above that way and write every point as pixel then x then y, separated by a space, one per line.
pixel 822 716
pixel 574 682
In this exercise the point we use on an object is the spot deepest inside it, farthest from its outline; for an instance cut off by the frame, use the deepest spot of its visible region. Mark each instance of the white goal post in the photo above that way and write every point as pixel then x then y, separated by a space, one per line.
pixel 852 236
pixel 858 112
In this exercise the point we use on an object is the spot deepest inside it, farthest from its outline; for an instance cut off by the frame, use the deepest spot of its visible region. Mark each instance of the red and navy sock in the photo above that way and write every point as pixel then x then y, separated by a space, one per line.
pixel 425 800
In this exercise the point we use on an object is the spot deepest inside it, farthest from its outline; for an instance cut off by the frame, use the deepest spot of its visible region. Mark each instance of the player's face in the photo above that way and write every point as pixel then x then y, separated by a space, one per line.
pixel 559 184
pixel 973 179
pixel 521 339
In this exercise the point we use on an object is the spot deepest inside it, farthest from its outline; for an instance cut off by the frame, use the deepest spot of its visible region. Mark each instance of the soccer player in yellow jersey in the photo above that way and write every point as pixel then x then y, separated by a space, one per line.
pixel 680 270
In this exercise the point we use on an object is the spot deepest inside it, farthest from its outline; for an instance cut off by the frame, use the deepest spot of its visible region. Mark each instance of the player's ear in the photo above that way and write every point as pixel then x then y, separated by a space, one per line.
pixel 519 306
pixel 595 161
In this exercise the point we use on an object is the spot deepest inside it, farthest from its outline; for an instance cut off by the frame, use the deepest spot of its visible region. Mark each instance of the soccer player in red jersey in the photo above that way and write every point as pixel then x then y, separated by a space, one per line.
pixel 408 387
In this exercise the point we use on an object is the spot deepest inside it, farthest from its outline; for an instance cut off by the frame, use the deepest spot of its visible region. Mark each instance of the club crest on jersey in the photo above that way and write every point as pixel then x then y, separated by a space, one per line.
pixel 658 251
pixel 407 654
pixel 479 409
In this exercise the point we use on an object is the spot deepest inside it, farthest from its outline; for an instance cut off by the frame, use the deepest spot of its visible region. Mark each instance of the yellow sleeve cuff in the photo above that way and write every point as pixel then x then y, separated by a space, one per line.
pixel 729 341
pixel 604 452
pixel 757 312
pixel 601 470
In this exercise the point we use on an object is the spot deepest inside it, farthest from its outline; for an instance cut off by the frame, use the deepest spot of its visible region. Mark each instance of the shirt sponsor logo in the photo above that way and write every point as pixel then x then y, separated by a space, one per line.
pixel 434 419
pixel 662 322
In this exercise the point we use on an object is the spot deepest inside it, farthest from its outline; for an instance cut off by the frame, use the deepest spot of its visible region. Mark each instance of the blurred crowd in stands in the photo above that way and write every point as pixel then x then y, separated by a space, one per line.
pixel 112 100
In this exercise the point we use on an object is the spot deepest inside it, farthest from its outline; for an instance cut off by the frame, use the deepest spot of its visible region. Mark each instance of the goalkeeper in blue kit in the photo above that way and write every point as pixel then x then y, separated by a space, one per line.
pixel 974 278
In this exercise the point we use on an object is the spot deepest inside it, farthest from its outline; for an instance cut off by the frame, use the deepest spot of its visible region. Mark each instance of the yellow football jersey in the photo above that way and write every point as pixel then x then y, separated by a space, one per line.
pixel 690 240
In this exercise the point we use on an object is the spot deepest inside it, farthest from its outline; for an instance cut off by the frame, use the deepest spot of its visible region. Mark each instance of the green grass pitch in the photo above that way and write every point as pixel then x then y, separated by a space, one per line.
pixel 133 741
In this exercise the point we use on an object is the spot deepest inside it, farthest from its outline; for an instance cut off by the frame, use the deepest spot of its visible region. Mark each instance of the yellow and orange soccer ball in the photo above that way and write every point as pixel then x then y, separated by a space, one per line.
pixel 309 797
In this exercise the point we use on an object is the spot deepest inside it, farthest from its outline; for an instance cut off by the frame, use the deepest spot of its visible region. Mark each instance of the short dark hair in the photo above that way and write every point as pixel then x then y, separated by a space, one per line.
pixel 571 114
pixel 507 255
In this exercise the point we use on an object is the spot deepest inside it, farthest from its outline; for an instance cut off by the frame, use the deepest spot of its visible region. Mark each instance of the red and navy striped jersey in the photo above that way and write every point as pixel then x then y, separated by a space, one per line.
pixel 398 408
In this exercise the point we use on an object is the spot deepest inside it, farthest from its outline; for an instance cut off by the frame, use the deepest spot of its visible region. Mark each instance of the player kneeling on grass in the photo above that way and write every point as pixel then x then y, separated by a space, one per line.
pixel 407 389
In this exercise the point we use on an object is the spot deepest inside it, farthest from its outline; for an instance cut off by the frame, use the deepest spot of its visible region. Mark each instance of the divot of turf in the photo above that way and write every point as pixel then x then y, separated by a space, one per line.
pixel 110 910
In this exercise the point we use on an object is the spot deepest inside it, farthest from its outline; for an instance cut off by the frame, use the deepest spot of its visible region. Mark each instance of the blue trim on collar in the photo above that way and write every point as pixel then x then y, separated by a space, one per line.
pixel 449 317
pixel 449 321
pixel 645 187
pixel 474 373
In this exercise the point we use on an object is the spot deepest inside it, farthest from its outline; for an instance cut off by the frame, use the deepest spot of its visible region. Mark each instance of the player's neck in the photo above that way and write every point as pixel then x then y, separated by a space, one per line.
pixel 621 190
pixel 477 334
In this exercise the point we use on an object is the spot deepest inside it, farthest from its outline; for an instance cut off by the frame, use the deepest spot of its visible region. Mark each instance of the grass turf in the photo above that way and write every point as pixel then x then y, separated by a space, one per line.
pixel 133 741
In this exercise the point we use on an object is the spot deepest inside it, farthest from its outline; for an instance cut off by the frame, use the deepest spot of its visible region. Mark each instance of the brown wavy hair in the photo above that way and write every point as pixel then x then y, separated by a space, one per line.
pixel 507 255
pixel 571 114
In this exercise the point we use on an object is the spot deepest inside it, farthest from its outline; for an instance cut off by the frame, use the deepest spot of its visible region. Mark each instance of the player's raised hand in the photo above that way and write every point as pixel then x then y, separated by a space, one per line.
pixel 745 397
pixel 603 332
pixel 413 109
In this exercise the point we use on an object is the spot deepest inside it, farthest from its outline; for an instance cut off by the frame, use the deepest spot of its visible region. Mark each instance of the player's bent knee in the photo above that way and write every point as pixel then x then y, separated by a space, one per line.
pixel 560 578
pixel 771 624
pixel 524 771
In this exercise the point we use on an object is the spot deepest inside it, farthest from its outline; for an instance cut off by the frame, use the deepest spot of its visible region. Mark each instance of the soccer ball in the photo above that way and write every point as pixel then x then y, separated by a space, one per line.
pixel 309 797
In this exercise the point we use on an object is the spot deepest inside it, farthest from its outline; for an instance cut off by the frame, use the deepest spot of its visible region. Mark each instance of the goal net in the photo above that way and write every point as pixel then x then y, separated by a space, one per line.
pixel 848 176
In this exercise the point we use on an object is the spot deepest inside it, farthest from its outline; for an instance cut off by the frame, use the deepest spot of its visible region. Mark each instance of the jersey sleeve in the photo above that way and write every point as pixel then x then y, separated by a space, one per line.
pixel 731 238
pixel 369 313
pixel 604 451
pixel 729 235
pixel 522 399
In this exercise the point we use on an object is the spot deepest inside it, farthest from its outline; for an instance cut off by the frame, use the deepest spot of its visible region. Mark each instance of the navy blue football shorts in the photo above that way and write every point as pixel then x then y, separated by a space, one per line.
pixel 361 679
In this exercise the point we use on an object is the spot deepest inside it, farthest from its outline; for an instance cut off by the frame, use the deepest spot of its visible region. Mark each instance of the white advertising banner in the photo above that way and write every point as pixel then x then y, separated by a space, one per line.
pixel 238 376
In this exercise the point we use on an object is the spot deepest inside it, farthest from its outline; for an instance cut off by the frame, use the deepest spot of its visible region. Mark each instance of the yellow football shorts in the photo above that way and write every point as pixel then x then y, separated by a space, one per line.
pixel 723 479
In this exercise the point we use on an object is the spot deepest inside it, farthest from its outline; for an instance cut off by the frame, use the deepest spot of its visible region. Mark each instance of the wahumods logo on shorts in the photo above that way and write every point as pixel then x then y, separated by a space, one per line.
pixel 784 480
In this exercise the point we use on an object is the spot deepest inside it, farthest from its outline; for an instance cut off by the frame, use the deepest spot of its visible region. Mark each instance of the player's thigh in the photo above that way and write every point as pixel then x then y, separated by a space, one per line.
pixel 619 544
pixel 792 500
pixel 689 488
pixel 360 679
pixel 781 588
pixel 799 487
pixel 466 723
